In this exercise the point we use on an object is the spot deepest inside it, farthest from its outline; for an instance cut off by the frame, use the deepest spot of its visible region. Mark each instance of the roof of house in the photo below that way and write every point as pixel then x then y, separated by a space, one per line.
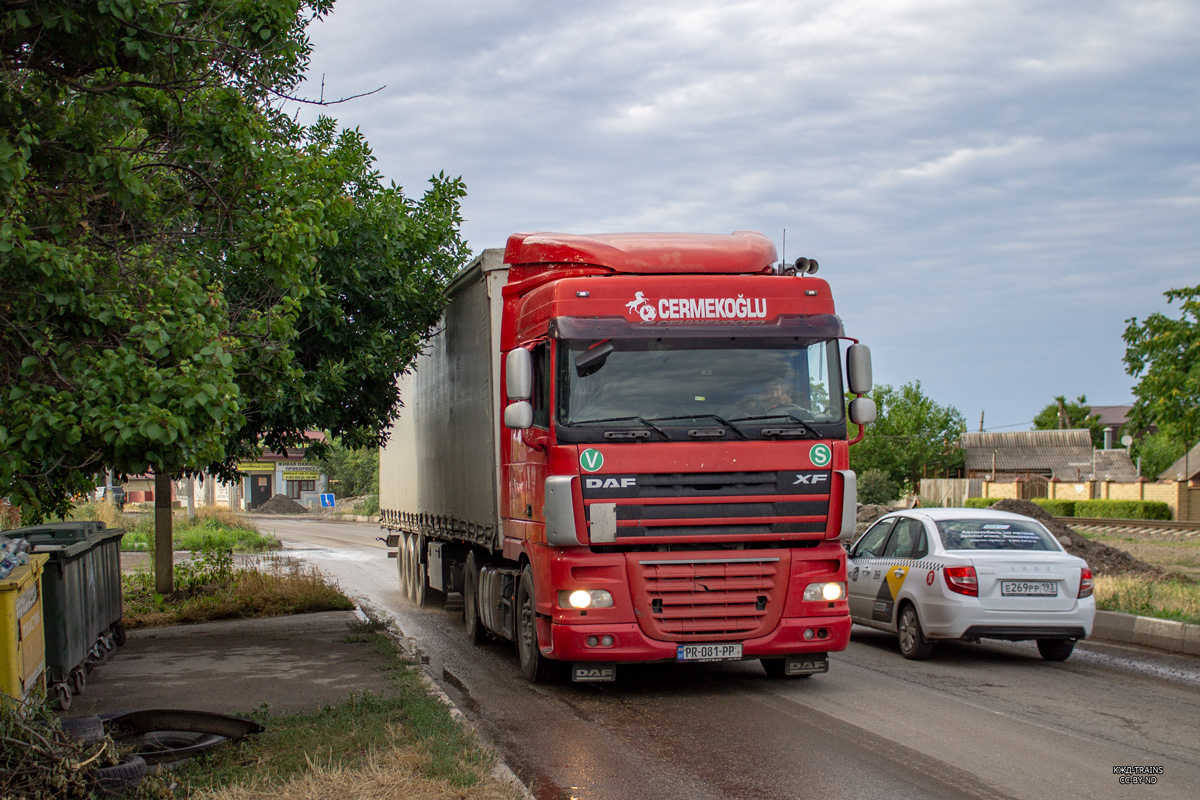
pixel 1186 468
pixel 1066 454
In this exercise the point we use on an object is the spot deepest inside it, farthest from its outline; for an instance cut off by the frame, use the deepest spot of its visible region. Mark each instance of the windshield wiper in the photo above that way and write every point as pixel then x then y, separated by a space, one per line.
pixel 721 420
pixel 641 420
pixel 779 414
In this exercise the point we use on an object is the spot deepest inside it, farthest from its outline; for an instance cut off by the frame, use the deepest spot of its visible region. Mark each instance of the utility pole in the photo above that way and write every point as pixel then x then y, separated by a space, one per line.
pixel 981 421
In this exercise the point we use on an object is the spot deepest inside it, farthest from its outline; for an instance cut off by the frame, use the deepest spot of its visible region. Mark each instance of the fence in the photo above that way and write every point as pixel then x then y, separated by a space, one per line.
pixel 1183 499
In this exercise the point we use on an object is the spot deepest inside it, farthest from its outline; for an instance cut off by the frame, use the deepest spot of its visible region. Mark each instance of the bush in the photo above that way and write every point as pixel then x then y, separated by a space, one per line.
pixel 1057 508
pixel 875 487
pixel 980 502
pixel 1123 509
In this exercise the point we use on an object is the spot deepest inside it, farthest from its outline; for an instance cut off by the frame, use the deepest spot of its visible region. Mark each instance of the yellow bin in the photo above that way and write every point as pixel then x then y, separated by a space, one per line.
pixel 22 644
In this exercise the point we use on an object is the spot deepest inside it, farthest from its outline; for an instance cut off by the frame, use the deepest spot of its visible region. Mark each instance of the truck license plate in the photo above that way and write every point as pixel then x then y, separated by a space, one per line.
pixel 1029 588
pixel 709 652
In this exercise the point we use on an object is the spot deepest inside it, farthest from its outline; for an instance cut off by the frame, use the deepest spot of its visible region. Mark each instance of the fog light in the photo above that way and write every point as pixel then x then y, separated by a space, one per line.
pixel 607 641
pixel 592 641
pixel 822 633
pixel 808 633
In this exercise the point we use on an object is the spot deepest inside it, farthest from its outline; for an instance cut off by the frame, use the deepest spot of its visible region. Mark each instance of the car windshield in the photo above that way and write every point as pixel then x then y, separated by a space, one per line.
pixel 994 534
pixel 788 380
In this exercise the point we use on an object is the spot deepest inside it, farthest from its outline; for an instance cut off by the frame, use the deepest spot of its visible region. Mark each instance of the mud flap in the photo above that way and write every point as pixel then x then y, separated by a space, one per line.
pixel 593 671
pixel 806 664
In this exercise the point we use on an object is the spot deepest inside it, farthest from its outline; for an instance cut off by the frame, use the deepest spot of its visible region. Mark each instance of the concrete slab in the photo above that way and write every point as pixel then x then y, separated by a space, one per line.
pixel 293 664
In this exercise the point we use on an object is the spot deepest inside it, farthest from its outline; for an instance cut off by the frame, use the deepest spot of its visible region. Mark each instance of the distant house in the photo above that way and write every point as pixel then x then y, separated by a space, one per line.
pixel 1066 455
pixel 1185 469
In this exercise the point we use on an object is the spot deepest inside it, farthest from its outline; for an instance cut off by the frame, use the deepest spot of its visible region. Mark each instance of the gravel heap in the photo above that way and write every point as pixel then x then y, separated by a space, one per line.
pixel 1103 560
pixel 281 504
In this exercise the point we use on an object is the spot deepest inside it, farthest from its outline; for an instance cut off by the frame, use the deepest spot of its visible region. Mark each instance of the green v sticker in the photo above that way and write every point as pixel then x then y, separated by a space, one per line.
pixel 591 460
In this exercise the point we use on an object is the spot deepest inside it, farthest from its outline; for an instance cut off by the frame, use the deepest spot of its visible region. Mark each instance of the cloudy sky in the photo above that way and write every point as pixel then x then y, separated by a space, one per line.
pixel 992 187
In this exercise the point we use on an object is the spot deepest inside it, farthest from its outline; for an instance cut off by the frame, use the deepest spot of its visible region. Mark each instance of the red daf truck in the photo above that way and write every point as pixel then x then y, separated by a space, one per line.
pixel 633 448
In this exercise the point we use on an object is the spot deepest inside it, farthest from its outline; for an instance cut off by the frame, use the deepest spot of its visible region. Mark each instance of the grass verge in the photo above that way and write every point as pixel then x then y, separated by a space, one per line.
pixel 405 744
pixel 211 527
pixel 1170 599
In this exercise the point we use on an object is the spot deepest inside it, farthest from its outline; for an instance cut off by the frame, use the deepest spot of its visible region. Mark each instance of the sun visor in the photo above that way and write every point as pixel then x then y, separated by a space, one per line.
pixel 806 326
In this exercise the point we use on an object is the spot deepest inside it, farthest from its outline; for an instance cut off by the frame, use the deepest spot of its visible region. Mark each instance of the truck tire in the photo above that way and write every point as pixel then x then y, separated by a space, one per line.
pixel 420 572
pixel 475 630
pixel 534 666
pixel 402 564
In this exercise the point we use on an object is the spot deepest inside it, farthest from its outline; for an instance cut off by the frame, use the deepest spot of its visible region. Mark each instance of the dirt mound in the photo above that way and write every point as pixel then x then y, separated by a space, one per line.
pixel 280 504
pixel 1103 560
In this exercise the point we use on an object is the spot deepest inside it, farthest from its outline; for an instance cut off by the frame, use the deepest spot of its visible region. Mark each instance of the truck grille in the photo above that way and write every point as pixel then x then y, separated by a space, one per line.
pixel 709 599
pixel 730 504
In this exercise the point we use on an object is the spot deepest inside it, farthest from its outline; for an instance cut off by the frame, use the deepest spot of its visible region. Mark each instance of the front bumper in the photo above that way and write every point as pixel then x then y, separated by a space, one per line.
pixel 569 642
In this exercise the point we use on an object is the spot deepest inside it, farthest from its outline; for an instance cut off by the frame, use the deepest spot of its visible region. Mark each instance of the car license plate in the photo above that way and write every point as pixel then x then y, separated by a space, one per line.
pixel 709 652
pixel 1029 588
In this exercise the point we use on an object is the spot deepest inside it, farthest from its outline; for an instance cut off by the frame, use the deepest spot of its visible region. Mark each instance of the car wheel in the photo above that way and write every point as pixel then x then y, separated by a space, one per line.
pixel 476 633
pixel 1056 649
pixel 534 666
pixel 913 643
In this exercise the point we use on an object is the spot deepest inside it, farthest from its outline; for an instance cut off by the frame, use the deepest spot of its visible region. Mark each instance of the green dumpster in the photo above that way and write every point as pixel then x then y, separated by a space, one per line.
pixel 81 599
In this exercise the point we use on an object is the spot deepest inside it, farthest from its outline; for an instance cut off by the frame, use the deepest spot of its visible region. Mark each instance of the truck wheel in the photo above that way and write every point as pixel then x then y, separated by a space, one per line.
pixel 534 666
pixel 475 630
pixel 420 578
pixel 402 563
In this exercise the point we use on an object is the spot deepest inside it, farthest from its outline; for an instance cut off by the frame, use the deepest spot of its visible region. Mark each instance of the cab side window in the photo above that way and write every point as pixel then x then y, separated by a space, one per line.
pixel 871 544
pixel 541 386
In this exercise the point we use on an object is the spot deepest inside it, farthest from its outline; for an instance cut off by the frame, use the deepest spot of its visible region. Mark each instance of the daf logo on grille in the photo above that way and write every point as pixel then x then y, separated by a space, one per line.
pixel 811 479
pixel 609 483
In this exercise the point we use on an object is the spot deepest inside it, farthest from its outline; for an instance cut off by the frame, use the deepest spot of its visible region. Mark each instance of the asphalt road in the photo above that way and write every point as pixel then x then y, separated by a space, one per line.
pixel 976 721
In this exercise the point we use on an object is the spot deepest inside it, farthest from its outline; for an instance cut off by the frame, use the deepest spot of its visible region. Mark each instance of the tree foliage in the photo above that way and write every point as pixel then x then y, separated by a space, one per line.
pixel 186 275
pixel 352 472
pixel 912 438
pixel 1156 452
pixel 1077 415
pixel 1164 355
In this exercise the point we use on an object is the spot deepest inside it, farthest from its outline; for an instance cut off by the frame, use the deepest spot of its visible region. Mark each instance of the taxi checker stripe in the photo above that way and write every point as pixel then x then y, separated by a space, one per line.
pixel 904 562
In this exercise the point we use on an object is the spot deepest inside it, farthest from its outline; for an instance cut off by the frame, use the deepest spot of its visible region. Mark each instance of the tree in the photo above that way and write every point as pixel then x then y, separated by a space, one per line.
pixel 1164 355
pixel 188 275
pixel 912 438
pixel 352 472
pixel 1077 415
pixel 1156 452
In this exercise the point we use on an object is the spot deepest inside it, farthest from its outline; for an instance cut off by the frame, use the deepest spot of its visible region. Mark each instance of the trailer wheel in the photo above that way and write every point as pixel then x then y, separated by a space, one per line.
pixel 475 630
pixel 534 666
pixel 420 572
pixel 402 564
pixel 412 567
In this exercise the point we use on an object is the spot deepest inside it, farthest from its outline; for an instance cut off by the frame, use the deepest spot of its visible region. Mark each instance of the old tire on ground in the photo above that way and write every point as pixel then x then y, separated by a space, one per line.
pixel 121 778
pixel 534 666
pixel 1055 649
pixel 476 633
pixel 86 730
pixel 913 644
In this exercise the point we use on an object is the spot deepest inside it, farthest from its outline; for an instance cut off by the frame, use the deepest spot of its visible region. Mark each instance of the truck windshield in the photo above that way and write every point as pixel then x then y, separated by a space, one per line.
pixel 751 387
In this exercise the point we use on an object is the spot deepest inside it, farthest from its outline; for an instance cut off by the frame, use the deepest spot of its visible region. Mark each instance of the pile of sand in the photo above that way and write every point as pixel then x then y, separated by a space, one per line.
pixel 280 504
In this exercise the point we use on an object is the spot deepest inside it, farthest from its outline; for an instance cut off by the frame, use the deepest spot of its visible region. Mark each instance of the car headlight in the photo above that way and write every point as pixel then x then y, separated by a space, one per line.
pixel 584 598
pixel 824 591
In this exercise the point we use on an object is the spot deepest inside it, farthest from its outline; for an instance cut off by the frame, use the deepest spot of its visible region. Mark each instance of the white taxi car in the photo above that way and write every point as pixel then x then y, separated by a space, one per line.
pixel 930 574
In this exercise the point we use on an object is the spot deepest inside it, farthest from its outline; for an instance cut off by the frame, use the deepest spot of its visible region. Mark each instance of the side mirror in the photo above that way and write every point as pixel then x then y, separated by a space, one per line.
pixel 518 377
pixel 858 368
pixel 863 411
pixel 518 416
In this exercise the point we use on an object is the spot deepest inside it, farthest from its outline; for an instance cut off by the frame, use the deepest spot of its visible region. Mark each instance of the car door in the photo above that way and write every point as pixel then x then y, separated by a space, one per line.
pixel 897 561
pixel 864 570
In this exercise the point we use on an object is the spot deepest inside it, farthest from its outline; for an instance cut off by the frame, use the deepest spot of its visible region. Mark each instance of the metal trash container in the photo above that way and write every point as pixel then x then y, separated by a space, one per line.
pixel 81 600
pixel 22 644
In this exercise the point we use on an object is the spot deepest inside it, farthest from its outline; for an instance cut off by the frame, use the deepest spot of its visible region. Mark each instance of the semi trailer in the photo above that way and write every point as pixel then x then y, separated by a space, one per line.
pixel 633 448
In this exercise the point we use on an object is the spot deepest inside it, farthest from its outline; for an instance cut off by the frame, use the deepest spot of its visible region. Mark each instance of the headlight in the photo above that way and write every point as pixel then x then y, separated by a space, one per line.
pixel 584 598
pixel 825 591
